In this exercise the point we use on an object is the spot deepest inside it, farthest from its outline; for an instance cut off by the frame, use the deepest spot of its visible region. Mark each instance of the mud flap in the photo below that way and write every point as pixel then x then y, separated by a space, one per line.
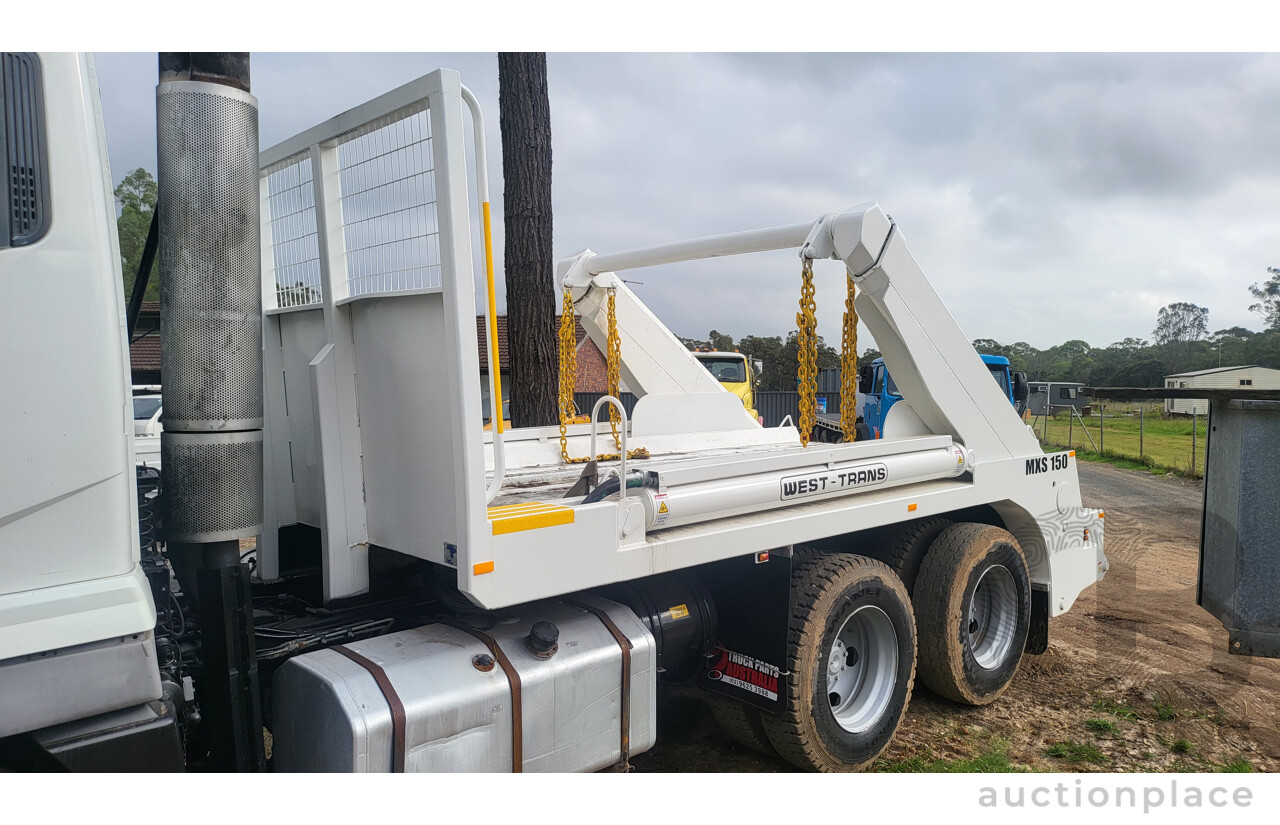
pixel 1038 632
pixel 752 595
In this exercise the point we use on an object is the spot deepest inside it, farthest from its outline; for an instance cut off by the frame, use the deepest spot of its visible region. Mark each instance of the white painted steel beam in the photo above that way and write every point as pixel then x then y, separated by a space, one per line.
pixel 715 246
pixel 344 531
pixel 470 516
pixel 653 359
pixel 367 117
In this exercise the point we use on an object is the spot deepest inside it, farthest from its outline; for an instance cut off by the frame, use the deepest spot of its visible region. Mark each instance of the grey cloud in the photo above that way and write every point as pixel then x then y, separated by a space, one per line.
pixel 1048 196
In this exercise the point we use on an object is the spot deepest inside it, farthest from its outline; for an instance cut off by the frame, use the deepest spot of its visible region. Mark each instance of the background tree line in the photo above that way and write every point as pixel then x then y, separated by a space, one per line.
pixel 1180 342
pixel 136 196
pixel 136 199
pixel 780 357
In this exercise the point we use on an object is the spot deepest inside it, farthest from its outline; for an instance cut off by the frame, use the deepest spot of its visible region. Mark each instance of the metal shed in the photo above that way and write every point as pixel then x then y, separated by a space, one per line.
pixel 1245 378
pixel 1053 396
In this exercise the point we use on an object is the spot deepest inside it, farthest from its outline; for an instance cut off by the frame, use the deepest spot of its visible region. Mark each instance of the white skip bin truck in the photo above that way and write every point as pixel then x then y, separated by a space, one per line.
pixel 425 595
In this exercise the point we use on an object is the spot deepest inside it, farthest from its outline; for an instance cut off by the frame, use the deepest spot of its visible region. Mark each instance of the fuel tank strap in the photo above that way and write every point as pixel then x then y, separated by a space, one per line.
pixel 513 679
pixel 624 644
pixel 393 701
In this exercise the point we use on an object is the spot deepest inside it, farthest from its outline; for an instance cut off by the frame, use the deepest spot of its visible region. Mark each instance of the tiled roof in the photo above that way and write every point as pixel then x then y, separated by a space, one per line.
pixel 503 362
pixel 144 353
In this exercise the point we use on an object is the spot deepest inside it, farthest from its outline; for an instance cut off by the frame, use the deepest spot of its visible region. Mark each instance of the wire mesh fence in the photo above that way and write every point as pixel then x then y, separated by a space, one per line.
pixel 295 252
pixel 1138 432
pixel 390 226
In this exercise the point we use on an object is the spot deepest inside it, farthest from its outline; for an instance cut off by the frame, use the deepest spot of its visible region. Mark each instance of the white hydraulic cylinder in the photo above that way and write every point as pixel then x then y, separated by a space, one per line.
pixel 719 498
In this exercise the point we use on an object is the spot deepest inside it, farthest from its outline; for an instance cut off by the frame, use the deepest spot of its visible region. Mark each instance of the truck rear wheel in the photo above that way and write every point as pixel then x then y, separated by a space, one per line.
pixel 851 660
pixel 973 610
pixel 910 547
pixel 741 723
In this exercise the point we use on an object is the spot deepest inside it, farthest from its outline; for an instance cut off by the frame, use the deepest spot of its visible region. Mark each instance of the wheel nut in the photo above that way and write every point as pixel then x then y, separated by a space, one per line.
pixel 482 662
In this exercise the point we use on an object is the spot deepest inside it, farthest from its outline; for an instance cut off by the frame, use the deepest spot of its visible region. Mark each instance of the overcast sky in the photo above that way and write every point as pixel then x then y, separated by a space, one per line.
pixel 1047 197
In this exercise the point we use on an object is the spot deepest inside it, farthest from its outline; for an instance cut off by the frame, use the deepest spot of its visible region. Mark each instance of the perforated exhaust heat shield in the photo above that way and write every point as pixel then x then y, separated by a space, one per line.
pixel 210 258
pixel 210 309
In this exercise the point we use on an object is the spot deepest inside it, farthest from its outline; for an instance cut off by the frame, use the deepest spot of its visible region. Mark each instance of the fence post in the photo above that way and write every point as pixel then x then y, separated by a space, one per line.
pixel 1048 410
pixel 1193 441
pixel 1102 429
pixel 1141 427
pixel 1071 420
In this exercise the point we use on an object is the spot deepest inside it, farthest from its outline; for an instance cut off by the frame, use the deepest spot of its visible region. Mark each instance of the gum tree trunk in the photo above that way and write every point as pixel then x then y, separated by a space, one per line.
pixel 525 116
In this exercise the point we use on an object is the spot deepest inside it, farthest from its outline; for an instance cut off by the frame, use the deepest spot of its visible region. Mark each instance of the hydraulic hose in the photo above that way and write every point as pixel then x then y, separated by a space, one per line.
pixel 610 487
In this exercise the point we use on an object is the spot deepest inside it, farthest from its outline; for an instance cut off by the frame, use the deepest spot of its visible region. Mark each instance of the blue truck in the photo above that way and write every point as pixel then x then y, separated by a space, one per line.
pixel 879 393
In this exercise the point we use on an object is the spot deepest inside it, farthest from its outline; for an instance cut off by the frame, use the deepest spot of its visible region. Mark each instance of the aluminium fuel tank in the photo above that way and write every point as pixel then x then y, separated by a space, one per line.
pixel 456 700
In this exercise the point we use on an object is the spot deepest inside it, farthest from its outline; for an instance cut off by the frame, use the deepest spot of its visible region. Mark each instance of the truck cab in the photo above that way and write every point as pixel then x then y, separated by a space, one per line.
pixel 882 393
pixel 737 373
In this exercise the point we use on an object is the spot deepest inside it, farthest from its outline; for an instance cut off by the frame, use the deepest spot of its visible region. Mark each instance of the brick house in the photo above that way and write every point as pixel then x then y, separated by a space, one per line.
pixel 592 365
pixel 144 353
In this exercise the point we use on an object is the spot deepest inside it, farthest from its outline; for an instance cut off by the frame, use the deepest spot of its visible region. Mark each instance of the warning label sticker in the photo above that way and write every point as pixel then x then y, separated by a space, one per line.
pixel 745 672
pixel 662 510
pixel 680 611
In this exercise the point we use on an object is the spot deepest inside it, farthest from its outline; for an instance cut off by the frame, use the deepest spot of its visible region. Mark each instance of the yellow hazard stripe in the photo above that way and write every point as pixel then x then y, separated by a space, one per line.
pixel 516 522
pixel 529 507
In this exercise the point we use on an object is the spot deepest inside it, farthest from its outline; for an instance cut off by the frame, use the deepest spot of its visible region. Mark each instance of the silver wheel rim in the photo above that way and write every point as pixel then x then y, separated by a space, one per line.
pixel 862 669
pixel 993 617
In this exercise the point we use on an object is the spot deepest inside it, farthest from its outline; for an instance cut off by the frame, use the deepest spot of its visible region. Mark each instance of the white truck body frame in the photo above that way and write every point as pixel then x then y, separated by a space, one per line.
pixel 381 441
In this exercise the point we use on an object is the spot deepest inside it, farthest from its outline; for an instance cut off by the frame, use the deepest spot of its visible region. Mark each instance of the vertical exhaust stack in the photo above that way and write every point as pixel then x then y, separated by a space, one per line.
pixel 210 297
pixel 211 364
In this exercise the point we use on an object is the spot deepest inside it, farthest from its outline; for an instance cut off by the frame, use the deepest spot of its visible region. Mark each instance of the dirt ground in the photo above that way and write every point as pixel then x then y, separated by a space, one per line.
pixel 1136 677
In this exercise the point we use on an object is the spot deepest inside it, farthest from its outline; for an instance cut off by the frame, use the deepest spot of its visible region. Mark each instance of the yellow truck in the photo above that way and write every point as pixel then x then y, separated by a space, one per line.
pixel 738 373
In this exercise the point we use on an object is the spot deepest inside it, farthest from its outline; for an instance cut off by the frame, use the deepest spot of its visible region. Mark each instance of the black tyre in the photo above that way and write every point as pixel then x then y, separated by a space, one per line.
pixel 852 646
pixel 973 609
pixel 909 547
pixel 741 723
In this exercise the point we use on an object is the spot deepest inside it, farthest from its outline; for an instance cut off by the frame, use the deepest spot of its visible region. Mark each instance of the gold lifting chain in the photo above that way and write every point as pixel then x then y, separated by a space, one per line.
pixel 807 339
pixel 614 361
pixel 569 371
pixel 849 364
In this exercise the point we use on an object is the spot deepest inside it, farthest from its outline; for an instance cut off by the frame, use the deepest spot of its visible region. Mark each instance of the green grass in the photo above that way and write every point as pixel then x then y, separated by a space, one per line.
pixel 1164 711
pixel 1165 443
pixel 1118 709
pixel 1180 746
pixel 1101 726
pixel 1237 765
pixel 1117 461
pixel 1076 752
pixel 992 757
